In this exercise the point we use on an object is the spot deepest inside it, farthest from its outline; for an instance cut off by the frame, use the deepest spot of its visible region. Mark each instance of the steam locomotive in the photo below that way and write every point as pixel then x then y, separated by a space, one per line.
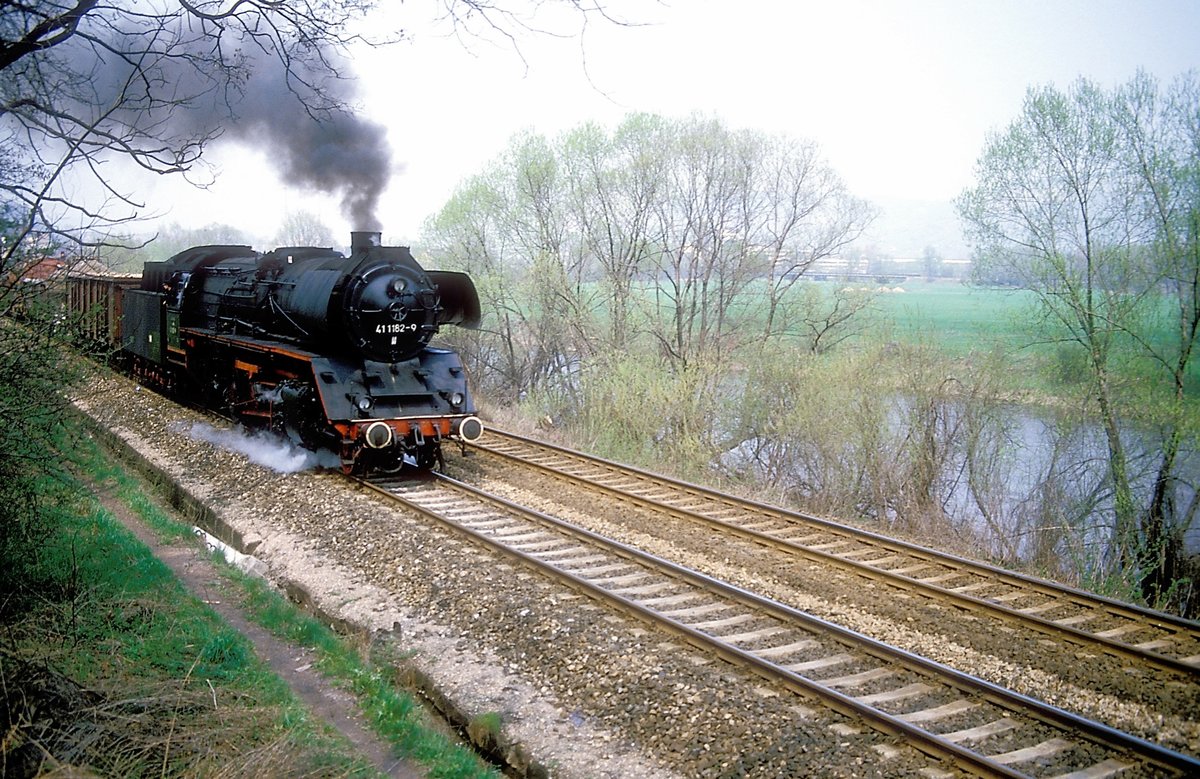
pixel 328 349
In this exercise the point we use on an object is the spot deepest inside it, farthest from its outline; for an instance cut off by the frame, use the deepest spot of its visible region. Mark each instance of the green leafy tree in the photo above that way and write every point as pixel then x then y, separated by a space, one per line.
pixel 1089 200
pixel 32 401
pixel 1159 135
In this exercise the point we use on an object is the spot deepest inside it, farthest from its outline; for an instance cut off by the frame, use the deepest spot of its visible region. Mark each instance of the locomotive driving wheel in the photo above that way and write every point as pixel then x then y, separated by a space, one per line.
pixel 301 416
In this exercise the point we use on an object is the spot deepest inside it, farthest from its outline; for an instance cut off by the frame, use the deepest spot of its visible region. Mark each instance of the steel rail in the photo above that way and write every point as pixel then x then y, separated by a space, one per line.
pixel 920 738
pixel 1079 598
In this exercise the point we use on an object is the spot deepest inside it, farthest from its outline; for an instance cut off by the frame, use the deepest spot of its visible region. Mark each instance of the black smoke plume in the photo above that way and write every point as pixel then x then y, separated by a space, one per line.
pixel 329 149
pixel 182 92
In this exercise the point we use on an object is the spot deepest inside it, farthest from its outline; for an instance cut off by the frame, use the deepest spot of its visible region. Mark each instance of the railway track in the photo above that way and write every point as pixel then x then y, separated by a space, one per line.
pixel 1134 634
pixel 971 724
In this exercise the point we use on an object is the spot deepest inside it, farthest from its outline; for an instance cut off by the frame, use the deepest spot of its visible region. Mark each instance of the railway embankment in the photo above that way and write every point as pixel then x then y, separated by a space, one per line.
pixel 506 718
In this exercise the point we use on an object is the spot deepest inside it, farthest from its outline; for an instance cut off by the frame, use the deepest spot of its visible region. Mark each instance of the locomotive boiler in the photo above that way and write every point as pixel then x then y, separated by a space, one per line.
pixel 332 350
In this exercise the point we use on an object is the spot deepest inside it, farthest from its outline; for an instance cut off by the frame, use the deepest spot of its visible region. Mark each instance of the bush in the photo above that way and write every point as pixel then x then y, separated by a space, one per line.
pixel 816 427
pixel 34 381
pixel 635 407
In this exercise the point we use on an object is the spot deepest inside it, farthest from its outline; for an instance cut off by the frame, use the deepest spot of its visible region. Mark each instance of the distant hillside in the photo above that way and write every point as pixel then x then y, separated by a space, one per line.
pixel 905 227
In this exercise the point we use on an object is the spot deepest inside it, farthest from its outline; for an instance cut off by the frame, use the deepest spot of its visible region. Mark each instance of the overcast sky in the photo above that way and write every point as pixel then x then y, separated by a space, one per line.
pixel 898 95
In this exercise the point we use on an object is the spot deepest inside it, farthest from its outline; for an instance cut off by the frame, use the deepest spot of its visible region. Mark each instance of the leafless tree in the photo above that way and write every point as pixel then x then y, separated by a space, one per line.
pixel 84 85
pixel 645 259
pixel 615 185
pixel 743 217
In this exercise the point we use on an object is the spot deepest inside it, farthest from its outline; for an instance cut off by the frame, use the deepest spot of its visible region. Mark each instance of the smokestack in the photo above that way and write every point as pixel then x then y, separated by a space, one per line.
pixel 361 240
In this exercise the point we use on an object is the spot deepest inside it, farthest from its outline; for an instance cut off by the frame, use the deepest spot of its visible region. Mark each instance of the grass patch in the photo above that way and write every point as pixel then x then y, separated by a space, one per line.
pixel 111 666
pixel 488 723
pixel 963 320
pixel 370 674
pixel 122 672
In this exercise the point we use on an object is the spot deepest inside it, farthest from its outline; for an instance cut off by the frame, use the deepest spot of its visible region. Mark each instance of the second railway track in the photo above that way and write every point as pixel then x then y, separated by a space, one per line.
pixel 1134 634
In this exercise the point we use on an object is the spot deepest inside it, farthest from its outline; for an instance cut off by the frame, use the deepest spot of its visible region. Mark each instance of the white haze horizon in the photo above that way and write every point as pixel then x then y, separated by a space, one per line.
pixel 899 95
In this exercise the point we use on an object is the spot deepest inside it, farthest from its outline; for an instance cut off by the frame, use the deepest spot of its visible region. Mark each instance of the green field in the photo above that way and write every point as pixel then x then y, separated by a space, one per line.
pixel 957 317
pixel 961 319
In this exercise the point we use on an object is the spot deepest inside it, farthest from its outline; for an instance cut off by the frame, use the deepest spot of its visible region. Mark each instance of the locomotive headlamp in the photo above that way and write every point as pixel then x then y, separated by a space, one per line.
pixel 397 286
pixel 457 399
pixel 364 403
pixel 469 429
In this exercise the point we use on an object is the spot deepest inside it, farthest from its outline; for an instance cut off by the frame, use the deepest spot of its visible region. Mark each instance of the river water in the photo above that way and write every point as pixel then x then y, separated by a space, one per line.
pixel 1042 477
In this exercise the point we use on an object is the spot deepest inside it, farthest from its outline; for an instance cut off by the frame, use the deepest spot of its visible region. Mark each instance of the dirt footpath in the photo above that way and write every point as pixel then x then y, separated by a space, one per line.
pixel 194 567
